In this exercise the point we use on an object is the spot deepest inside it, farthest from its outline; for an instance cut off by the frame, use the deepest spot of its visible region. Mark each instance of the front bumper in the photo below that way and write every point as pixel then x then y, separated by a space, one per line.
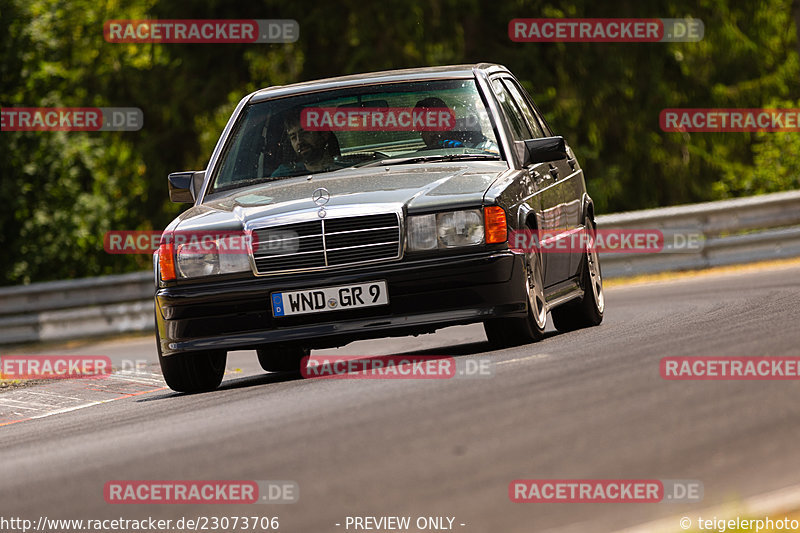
pixel 424 295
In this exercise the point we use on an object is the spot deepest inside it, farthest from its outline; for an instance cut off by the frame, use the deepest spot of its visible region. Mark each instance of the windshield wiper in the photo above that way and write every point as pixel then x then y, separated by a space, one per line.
pixel 253 181
pixel 250 181
pixel 424 158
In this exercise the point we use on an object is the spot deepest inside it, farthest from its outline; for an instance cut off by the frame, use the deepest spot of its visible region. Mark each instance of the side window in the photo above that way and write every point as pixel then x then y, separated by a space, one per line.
pixel 522 103
pixel 519 130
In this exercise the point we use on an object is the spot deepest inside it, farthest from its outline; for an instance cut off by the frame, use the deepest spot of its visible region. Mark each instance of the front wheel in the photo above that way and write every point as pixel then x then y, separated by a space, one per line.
pixel 505 332
pixel 588 311
pixel 193 372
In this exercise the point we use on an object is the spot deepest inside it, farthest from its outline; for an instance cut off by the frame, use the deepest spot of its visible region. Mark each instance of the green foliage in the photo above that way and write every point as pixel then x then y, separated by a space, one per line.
pixel 63 190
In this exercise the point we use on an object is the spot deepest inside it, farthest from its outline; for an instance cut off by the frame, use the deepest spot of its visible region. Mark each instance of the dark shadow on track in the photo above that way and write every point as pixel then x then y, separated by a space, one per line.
pixel 471 348
pixel 260 379
pixel 456 350
pixel 237 383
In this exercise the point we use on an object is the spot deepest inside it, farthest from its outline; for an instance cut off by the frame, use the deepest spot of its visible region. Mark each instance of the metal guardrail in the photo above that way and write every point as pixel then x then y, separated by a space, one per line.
pixel 737 231
pixel 732 232
pixel 60 310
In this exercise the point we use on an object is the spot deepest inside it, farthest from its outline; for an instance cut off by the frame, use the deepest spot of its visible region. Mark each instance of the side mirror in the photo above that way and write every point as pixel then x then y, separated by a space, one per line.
pixel 543 150
pixel 184 186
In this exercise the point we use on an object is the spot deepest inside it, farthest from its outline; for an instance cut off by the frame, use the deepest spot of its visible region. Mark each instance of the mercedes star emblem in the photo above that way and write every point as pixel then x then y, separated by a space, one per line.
pixel 321 196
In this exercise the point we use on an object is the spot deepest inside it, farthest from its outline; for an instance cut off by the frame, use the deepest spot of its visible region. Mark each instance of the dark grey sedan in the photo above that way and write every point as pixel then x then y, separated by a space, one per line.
pixel 373 205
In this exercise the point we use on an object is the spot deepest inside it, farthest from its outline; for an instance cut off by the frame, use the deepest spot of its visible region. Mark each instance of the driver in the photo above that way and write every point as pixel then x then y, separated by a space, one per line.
pixel 316 151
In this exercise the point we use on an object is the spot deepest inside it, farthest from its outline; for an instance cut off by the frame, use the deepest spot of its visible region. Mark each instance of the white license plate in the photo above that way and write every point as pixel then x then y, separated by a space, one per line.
pixel 329 299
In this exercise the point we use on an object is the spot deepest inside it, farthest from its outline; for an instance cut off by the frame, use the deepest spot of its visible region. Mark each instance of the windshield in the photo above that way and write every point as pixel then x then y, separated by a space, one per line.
pixel 315 133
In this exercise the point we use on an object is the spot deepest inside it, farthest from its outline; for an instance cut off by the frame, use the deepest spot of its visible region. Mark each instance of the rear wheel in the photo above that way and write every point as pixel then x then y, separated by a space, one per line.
pixel 504 332
pixel 282 358
pixel 193 372
pixel 588 311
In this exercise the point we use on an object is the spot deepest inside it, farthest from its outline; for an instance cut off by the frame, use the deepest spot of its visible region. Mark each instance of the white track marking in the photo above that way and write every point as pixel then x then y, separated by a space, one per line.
pixel 527 358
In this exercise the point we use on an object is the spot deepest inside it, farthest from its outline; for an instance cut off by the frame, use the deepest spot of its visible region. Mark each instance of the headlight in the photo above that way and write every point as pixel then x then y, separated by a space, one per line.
pixel 206 257
pixel 460 228
pixel 196 260
pixel 422 232
pixel 445 230
pixel 233 262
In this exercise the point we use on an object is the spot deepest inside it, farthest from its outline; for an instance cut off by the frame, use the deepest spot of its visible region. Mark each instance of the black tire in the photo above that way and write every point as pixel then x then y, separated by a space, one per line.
pixel 506 332
pixel 588 311
pixel 282 358
pixel 193 372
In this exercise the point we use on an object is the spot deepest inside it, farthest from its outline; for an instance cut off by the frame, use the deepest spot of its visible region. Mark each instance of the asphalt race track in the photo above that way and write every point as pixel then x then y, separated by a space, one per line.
pixel 581 405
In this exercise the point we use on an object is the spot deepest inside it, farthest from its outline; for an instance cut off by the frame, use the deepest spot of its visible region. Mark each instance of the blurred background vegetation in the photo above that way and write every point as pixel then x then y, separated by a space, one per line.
pixel 61 191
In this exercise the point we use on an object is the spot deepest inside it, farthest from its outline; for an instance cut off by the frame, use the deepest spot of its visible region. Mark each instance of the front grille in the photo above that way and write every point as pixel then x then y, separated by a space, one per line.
pixel 326 243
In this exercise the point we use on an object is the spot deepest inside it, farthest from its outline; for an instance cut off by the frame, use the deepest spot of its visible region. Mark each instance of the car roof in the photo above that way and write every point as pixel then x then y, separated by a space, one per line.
pixel 371 78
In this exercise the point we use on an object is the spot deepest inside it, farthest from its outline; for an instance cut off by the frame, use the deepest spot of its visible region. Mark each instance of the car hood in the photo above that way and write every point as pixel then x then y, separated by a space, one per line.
pixel 419 188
